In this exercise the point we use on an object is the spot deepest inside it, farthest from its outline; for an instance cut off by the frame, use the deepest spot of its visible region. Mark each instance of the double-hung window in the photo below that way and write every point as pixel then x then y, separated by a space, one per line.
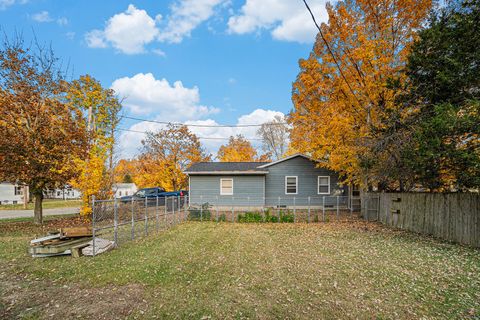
pixel 18 190
pixel 226 187
pixel 291 185
pixel 323 185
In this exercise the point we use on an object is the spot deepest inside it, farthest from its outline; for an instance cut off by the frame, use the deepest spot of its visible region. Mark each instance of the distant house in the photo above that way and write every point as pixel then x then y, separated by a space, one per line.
pixel 292 181
pixel 11 193
pixel 65 193
pixel 124 189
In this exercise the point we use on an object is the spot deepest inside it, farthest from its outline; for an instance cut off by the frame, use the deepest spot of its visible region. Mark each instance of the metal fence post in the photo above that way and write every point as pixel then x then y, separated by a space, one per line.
pixel 263 208
pixel 338 209
pixel 115 222
pixel 294 210
pixel 216 210
pixel 185 199
pixel 93 225
pixel 156 214
pixel 233 210
pixel 201 208
pixel 133 223
pixel 351 206
pixel 146 215
pixel 173 210
pixel 308 217
pixel 166 210
pixel 323 208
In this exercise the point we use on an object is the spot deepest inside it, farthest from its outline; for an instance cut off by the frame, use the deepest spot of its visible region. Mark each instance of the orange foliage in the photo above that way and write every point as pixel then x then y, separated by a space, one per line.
pixel 238 149
pixel 343 90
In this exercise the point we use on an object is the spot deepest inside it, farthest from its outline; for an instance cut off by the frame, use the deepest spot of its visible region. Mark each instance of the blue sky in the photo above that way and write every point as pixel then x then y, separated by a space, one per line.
pixel 193 61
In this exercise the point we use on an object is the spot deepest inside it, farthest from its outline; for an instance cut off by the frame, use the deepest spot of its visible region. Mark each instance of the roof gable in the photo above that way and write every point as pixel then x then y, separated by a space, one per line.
pixel 269 164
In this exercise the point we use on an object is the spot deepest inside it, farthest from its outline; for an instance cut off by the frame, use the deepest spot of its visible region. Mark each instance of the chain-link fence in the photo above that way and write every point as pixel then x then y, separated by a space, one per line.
pixel 277 209
pixel 121 221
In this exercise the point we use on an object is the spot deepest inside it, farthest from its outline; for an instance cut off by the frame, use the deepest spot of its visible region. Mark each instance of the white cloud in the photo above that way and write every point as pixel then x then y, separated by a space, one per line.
pixel 287 20
pixel 130 141
pixel 145 95
pixel 62 21
pixel 43 16
pixel 70 35
pixel 128 31
pixel 159 52
pixel 132 30
pixel 4 4
pixel 95 39
pixel 185 16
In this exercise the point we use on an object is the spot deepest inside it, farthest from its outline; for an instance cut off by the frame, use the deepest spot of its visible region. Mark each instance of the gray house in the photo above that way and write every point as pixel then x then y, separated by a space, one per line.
pixel 291 181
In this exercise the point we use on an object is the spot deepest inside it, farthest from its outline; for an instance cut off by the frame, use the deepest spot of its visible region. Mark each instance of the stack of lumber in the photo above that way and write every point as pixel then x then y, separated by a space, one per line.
pixel 62 242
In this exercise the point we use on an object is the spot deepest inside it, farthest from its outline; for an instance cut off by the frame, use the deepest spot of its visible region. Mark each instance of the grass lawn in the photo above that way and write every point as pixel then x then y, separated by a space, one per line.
pixel 47 204
pixel 210 270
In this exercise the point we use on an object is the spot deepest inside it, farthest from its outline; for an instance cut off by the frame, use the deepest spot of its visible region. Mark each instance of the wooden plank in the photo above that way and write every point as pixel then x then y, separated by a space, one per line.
pixel 50 237
pixel 75 232
pixel 59 247
pixel 77 250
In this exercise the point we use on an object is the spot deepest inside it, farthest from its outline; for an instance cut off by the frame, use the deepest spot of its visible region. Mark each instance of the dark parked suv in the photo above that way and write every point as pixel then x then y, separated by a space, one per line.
pixel 157 195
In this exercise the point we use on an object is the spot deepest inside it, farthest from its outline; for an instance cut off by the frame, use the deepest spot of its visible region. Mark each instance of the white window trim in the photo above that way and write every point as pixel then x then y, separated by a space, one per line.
pixel 222 193
pixel 296 184
pixel 318 184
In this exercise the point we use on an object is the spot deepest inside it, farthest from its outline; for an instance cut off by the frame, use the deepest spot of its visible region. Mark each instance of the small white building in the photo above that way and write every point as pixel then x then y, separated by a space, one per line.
pixel 124 189
pixel 65 193
pixel 11 193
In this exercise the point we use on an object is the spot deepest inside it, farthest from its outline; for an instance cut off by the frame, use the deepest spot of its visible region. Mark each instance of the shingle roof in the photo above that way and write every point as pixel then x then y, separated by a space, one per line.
pixel 241 167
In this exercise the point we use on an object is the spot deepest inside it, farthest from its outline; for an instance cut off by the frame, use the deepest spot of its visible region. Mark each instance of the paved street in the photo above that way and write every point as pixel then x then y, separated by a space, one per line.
pixel 8 214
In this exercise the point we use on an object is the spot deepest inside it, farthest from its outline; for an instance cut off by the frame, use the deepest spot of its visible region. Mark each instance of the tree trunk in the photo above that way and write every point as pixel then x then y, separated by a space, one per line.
pixel 37 212
pixel 26 194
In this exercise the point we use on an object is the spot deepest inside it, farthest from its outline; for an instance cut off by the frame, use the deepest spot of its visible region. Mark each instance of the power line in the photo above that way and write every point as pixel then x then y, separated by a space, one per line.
pixel 207 125
pixel 202 138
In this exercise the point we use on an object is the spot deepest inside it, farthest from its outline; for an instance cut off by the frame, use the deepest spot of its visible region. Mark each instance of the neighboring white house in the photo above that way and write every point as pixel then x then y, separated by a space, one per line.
pixel 65 193
pixel 124 189
pixel 10 193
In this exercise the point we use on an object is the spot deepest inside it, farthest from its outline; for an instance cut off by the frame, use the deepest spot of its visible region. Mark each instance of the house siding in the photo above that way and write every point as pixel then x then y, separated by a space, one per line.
pixel 7 194
pixel 307 182
pixel 247 190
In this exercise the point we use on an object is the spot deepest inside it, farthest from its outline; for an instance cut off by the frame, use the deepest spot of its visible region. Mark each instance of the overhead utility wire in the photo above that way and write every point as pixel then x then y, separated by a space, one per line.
pixel 203 138
pixel 331 52
pixel 206 125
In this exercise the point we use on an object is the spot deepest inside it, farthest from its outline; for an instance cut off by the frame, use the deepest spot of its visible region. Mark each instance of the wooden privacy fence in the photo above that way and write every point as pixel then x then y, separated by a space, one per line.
pixel 449 216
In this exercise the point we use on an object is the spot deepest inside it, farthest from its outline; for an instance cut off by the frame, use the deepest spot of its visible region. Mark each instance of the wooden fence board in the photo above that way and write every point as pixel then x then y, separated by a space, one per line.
pixel 450 216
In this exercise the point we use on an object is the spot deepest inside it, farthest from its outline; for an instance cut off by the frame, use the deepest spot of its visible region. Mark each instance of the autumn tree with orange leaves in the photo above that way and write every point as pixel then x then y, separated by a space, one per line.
pixel 238 149
pixel 165 155
pixel 344 93
pixel 41 133
pixel 102 115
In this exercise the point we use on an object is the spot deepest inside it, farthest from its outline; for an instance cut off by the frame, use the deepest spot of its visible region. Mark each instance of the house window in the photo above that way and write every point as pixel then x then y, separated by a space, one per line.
pixel 323 185
pixel 226 187
pixel 18 191
pixel 291 184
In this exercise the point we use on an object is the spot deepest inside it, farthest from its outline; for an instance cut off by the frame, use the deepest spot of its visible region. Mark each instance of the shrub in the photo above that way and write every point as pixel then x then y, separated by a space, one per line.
pixel 250 217
pixel 222 218
pixel 269 217
pixel 286 217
